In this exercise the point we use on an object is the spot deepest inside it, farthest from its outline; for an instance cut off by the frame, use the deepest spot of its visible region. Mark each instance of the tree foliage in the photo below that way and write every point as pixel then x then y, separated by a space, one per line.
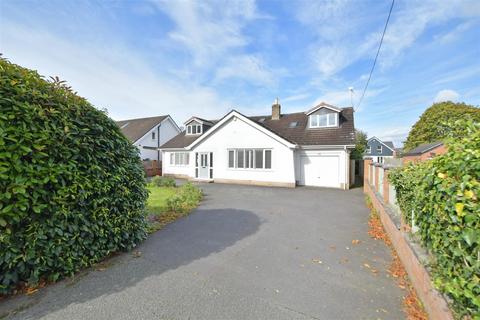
pixel 433 123
pixel 360 144
pixel 444 195
pixel 72 187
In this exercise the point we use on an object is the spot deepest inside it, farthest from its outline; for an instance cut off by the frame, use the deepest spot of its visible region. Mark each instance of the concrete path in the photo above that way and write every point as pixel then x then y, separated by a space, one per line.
pixel 245 253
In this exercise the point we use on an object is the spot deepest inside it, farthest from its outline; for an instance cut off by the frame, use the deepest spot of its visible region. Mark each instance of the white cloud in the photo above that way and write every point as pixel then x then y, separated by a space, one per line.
pixel 345 35
pixel 447 95
pixel 397 135
pixel 112 77
pixel 247 67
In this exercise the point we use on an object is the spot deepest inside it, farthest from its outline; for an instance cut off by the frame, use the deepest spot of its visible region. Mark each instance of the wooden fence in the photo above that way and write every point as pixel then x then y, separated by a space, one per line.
pixel 152 168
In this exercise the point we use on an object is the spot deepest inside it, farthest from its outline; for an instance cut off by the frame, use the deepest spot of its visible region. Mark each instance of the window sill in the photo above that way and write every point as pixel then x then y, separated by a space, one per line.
pixel 250 169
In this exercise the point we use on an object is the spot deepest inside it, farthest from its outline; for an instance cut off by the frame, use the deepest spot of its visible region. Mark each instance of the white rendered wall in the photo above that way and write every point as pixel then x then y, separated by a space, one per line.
pixel 168 130
pixel 237 134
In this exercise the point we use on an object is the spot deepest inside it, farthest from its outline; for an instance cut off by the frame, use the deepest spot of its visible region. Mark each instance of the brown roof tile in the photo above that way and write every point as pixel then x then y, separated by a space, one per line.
pixel 134 129
pixel 344 134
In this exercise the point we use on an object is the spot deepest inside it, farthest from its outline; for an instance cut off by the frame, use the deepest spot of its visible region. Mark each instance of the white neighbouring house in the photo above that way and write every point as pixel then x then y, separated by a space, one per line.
pixel 148 134
pixel 306 148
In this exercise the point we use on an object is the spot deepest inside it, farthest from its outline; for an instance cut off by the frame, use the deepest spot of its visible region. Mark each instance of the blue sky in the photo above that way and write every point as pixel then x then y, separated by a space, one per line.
pixel 204 58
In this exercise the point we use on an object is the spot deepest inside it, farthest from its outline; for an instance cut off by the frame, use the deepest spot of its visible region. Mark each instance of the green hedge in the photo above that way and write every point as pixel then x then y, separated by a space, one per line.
pixel 444 194
pixel 72 187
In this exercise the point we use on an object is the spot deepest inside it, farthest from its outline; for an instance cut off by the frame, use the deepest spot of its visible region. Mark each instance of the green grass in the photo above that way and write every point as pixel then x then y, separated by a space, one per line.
pixel 157 200
pixel 161 211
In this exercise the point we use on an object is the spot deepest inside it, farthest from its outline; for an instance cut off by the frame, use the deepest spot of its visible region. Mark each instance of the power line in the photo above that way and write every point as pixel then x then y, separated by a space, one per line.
pixel 376 57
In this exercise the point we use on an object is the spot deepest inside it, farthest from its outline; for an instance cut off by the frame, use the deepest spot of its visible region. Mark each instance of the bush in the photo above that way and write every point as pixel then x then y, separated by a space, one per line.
pixel 187 198
pixel 444 194
pixel 163 182
pixel 72 187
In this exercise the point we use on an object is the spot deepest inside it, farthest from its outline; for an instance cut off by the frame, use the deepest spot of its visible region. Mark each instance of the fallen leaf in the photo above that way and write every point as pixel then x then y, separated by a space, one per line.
pixel 356 241
pixel 367 265
pixel 31 291
pixel 137 254
pixel 317 261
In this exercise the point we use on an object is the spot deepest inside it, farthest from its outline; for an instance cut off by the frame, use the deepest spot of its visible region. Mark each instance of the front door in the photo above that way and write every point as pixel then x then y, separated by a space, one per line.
pixel 204 165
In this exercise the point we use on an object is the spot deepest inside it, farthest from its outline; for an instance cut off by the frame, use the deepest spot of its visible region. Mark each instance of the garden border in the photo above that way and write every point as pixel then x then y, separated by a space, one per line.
pixel 433 301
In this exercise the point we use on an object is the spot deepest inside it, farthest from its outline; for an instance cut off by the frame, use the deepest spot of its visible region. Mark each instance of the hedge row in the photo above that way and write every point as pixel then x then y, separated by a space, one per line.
pixel 72 187
pixel 444 195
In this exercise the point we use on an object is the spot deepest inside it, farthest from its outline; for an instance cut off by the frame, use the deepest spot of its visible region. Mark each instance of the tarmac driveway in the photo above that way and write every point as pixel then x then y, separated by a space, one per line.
pixel 245 253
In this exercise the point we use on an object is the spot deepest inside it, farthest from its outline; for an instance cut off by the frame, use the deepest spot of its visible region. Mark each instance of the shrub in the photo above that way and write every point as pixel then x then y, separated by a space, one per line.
pixel 187 198
pixel 163 182
pixel 444 194
pixel 72 187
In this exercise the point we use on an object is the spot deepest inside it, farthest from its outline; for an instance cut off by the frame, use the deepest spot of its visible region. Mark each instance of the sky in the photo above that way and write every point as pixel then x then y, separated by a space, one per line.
pixel 138 58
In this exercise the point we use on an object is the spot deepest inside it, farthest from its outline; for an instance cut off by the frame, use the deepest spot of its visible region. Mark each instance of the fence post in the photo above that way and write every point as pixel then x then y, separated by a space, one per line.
pixel 366 173
pixel 386 186
pixel 377 171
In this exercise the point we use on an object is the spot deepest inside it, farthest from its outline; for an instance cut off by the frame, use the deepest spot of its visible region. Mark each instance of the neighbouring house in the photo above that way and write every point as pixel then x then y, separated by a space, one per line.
pixel 148 134
pixel 379 150
pixel 306 148
pixel 424 152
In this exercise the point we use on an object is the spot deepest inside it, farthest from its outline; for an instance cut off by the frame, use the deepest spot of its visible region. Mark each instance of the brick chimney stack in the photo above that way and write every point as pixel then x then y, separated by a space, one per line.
pixel 276 108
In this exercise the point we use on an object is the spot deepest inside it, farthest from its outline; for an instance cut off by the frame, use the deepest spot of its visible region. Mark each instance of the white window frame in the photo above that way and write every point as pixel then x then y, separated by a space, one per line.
pixel 317 118
pixel 179 159
pixel 198 129
pixel 252 161
pixel 369 149
pixel 381 148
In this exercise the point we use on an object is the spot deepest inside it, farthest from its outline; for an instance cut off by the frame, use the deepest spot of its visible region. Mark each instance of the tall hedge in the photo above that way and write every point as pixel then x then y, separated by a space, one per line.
pixel 433 123
pixel 444 195
pixel 72 188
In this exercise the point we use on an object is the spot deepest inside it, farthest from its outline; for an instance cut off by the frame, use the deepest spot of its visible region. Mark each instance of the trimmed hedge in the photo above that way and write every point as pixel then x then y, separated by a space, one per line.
pixel 72 187
pixel 444 195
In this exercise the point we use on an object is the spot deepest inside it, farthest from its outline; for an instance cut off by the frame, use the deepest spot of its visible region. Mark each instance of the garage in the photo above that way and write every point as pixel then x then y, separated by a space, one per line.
pixel 320 170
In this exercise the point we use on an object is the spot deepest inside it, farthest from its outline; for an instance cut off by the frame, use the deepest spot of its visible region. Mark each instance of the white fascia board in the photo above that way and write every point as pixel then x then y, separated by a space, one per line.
pixel 233 114
pixel 323 105
pixel 338 146
pixel 172 121
pixel 381 143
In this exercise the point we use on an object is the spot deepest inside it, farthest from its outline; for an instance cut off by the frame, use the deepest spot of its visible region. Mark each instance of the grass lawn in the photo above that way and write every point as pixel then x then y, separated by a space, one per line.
pixel 160 213
pixel 157 200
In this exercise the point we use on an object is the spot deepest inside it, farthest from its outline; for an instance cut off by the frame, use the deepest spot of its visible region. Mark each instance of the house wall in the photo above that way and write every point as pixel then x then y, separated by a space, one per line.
pixel 182 171
pixel 164 131
pixel 373 143
pixel 237 133
pixel 425 156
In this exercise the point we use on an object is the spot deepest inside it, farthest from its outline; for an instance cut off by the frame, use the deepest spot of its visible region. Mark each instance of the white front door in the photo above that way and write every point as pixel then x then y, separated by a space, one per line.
pixel 321 171
pixel 204 165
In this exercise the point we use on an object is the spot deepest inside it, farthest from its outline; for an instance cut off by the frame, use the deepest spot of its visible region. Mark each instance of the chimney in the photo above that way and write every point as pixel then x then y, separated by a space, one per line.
pixel 276 110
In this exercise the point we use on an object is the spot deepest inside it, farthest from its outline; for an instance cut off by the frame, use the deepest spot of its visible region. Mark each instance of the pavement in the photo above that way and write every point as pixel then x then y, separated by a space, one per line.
pixel 245 253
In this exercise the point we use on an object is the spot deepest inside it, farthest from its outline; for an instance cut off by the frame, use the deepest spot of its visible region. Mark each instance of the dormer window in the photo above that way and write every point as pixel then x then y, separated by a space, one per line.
pixel 194 129
pixel 324 120
pixel 379 149
pixel 369 149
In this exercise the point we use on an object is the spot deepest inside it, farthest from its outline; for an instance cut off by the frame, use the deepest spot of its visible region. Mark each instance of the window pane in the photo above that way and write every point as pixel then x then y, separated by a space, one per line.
pixel 189 129
pixel 332 119
pixel 171 158
pixel 268 159
pixel 247 158
pixel 199 129
pixel 177 158
pixel 322 120
pixel 153 135
pixel 194 129
pixel 314 121
pixel 187 158
pixel 211 160
pixel 231 159
pixel 259 159
pixel 240 153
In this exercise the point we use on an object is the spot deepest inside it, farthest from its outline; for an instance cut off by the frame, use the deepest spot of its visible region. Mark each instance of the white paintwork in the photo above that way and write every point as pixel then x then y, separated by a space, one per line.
pixel 323 167
pixel 288 160
pixel 167 129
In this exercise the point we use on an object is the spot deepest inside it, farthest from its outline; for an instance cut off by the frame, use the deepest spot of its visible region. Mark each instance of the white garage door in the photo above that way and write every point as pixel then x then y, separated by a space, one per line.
pixel 321 171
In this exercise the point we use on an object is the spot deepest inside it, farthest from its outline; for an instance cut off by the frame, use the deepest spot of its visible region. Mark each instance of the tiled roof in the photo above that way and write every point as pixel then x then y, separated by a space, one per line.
pixel 421 149
pixel 298 134
pixel 134 129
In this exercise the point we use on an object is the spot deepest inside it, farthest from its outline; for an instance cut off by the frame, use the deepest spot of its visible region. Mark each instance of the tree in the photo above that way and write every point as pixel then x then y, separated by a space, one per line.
pixel 433 124
pixel 360 145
